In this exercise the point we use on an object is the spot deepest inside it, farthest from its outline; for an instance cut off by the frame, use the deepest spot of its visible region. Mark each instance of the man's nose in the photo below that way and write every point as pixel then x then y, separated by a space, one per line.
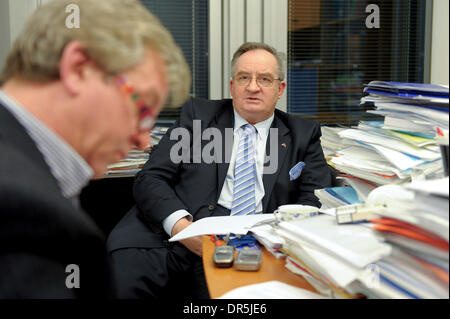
pixel 253 85
pixel 141 140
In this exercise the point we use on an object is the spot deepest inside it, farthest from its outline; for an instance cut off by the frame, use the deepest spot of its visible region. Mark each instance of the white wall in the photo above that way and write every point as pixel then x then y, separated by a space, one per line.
pixel 4 31
pixel 439 43
pixel 19 11
pixel 233 22
pixel 13 15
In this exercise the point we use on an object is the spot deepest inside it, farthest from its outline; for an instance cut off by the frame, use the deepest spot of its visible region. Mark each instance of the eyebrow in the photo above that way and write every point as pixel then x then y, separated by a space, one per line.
pixel 258 74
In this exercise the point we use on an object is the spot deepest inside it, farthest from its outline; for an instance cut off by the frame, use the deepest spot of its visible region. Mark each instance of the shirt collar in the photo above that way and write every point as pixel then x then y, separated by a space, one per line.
pixel 69 169
pixel 262 128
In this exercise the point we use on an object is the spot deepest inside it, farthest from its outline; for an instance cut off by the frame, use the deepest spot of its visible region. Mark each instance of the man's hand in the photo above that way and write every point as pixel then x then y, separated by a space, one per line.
pixel 194 244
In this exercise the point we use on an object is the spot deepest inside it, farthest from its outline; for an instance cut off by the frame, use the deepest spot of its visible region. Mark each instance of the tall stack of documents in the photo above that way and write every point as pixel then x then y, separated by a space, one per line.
pixel 395 246
pixel 403 146
pixel 329 256
pixel 415 221
pixel 410 107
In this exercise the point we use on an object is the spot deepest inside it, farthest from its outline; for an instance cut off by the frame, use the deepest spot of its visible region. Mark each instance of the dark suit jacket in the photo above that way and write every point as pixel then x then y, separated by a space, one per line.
pixel 41 232
pixel 163 187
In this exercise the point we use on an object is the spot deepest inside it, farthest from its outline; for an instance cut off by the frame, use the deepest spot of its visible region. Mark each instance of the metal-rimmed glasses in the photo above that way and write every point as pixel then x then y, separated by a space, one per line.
pixel 263 80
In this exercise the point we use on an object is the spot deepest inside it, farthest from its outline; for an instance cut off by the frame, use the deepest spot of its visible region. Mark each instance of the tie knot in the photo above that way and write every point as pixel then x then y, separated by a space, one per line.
pixel 248 129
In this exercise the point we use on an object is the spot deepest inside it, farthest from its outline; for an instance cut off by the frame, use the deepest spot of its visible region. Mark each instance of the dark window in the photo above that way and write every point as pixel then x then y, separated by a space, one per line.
pixel 187 20
pixel 332 54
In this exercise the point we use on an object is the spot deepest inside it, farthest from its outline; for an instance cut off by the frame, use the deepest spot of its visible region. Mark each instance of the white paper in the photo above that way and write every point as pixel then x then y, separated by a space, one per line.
pixel 355 244
pixel 328 267
pixel 388 142
pixel 222 225
pixel 362 188
pixel 398 159
pixel 437 186
pixel 271 290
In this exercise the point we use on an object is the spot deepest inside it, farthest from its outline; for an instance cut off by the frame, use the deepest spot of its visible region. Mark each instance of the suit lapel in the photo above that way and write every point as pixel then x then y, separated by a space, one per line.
pixel 224 120
pixel 283 144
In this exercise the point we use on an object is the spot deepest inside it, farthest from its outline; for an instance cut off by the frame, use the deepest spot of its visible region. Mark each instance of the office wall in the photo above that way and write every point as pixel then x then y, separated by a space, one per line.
pixel 233 22
pixel 4 31
pixel 13 15
pixel 439 43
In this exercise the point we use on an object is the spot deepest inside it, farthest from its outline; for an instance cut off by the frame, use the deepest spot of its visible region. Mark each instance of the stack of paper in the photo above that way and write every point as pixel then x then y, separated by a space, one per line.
pixel 330 256
pixel 130 165
pixel 337 196
pixel 380 157
pixel 401 148
pixel 410 107
pixel 133 163
pixel 330 140
pixel 415 221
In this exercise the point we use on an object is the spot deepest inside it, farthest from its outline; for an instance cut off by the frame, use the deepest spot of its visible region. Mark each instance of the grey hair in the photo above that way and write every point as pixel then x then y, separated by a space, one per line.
pixel 250 46
pixel 114 33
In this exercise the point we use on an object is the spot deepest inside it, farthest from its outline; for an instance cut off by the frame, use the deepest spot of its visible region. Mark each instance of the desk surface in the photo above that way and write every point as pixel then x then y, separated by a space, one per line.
pixel 222 280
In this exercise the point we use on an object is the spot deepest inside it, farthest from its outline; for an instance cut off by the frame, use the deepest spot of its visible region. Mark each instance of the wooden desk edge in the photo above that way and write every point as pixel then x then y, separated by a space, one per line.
pixel 222 280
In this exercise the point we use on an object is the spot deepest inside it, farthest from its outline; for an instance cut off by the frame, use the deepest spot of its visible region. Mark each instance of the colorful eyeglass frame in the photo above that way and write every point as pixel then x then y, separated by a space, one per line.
pixel 146 116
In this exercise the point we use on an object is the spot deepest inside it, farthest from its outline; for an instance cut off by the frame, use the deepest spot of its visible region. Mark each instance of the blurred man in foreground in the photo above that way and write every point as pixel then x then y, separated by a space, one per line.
pixel 72 101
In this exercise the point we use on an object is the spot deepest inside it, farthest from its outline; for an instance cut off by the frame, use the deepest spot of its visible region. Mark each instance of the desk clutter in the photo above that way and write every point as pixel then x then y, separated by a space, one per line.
pixel 405 145
pixel 136 159
pixel 385 232
pixel 394 245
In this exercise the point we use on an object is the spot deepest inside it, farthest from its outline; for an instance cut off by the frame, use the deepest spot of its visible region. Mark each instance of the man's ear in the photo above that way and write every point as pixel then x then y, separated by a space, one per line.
pixel 281 89
pixel 72 66
pixel 231 87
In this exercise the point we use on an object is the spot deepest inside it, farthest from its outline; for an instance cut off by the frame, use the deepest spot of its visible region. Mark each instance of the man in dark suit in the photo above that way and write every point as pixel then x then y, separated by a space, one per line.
pixel 181 184
pixel 71 103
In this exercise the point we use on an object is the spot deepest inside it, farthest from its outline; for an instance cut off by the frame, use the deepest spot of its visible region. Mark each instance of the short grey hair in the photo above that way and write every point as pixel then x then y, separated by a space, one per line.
pixel 115 34
pixel 250 46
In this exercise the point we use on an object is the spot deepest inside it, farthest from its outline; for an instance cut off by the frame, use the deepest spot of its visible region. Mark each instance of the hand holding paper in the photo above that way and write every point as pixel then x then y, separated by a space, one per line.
pixel 221 225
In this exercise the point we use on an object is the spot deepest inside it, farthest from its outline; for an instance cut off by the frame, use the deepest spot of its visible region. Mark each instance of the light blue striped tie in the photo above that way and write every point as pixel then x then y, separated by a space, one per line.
pixel 245 174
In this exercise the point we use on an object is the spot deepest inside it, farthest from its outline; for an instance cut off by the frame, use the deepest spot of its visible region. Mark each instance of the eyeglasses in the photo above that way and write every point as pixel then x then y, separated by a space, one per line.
pixel 147 118
pixel 262 80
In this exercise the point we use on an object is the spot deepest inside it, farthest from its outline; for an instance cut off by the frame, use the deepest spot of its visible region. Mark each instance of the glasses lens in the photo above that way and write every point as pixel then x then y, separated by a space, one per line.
pixel 262 80
pixel 243 80
pixel 265 81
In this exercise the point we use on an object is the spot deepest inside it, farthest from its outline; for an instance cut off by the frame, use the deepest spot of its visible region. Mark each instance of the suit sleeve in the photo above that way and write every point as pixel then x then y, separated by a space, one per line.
pixel 154 185
pixel 316 174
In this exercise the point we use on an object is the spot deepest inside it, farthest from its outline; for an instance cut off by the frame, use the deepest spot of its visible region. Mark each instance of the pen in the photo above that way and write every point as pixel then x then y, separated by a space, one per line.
pixel 217 241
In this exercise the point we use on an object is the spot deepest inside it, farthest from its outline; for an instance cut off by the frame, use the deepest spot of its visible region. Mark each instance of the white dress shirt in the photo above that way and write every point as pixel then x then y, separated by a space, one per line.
pixel 226 196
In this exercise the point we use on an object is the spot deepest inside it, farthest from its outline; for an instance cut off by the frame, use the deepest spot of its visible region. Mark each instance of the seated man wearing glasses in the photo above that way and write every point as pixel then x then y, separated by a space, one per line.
pixel 73 101
pixel 263 158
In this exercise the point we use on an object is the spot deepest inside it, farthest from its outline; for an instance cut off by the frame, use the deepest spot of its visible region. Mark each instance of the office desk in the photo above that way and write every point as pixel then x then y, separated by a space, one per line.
pixel 222 280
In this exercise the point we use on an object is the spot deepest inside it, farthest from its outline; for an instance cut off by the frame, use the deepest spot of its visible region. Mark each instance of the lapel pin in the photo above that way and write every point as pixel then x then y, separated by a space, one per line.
pixel 284 144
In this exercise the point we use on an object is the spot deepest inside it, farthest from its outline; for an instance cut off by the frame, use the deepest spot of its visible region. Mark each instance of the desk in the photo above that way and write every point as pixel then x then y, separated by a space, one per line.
pixel 222 280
